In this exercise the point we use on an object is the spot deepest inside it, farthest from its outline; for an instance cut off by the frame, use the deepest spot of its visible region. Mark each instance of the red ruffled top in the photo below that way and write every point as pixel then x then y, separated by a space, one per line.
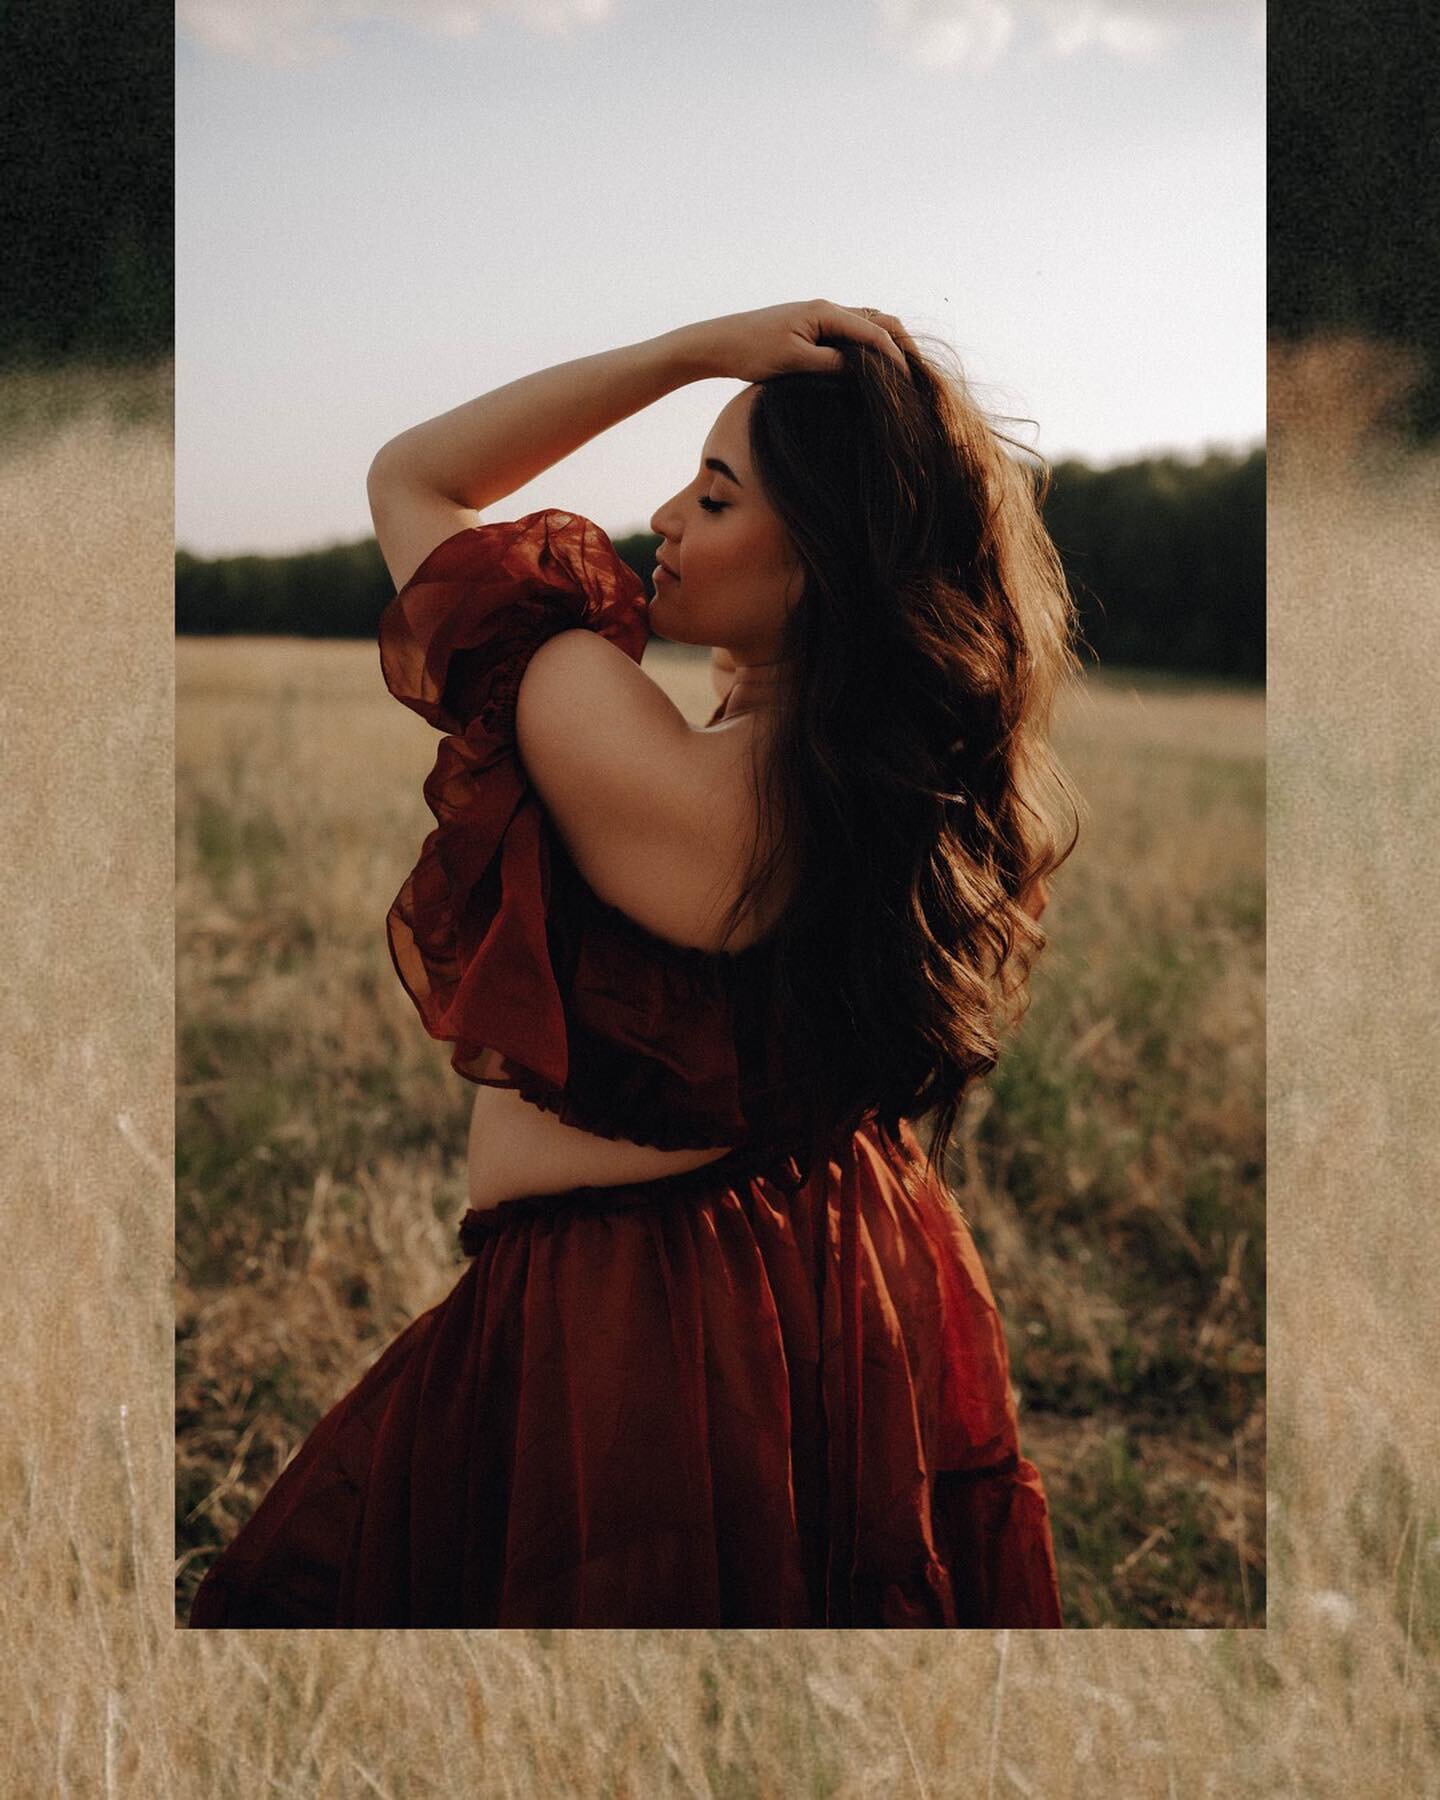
pixel 503 947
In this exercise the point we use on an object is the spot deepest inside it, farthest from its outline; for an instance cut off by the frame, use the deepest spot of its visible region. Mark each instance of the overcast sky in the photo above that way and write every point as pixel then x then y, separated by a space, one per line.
pixel 385 209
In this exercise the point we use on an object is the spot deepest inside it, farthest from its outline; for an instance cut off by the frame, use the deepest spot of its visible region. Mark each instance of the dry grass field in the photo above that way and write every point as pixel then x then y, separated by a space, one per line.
pixel 317 1136
pixel 1113 1167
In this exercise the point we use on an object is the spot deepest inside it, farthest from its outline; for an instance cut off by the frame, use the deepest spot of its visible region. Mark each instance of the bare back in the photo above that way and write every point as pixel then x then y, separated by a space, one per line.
pixel 680 891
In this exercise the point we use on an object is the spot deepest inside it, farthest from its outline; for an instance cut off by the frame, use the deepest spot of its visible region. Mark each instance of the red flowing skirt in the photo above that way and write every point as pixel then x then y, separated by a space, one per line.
pixel 699 1400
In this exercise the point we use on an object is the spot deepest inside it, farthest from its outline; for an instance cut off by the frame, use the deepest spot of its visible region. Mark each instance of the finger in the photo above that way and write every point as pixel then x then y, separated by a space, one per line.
pixel 885 342
pixel 875 316
pixel 818 358
pixel 870 328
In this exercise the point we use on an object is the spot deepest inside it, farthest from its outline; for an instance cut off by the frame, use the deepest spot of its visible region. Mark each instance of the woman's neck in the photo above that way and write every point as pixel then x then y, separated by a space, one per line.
pixel 755 689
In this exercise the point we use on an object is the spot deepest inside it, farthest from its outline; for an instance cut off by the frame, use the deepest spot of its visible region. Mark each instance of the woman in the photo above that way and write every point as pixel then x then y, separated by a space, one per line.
pixel 724 1353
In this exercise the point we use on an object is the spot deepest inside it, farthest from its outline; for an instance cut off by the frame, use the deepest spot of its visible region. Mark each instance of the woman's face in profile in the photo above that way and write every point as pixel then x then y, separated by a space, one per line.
pixel 737 571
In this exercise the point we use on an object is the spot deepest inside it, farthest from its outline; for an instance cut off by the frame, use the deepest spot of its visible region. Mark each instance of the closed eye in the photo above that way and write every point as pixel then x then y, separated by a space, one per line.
pixel 713 505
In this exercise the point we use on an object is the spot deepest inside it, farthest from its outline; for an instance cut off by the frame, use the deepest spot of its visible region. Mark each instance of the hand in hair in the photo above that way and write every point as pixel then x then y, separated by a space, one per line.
pixel 777 340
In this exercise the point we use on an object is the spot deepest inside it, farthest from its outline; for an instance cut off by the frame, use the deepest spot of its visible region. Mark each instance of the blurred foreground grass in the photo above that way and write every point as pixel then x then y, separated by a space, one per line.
pixel 38 405
pixel 1112 1168
pixel 1339 1696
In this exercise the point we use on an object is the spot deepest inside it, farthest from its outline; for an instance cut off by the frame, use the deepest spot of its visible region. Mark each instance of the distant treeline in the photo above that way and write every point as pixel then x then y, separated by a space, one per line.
pixel 1166 559
pixel 1354 176
pixel 87 183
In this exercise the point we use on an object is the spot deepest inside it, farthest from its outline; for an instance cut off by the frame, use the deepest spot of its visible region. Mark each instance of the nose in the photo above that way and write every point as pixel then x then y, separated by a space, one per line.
pixel 666 521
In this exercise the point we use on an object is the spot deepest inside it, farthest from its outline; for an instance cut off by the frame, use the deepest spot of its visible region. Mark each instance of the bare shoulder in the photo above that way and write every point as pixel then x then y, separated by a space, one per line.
pixel 654 811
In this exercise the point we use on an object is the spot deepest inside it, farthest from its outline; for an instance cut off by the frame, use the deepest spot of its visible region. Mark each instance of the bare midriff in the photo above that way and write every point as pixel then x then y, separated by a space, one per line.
pixel 517 1148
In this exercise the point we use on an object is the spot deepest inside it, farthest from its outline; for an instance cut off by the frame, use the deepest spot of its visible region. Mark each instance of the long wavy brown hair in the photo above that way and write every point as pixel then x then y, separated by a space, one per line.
pixel 909 770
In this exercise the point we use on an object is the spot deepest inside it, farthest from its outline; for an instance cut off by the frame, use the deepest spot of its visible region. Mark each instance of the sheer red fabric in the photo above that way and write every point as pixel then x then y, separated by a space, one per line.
pixel 757 1393
pixel 703 1400
pixel 495 935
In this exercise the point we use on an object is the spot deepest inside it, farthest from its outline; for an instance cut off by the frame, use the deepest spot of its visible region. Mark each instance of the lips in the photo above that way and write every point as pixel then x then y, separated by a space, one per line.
pixel 660 564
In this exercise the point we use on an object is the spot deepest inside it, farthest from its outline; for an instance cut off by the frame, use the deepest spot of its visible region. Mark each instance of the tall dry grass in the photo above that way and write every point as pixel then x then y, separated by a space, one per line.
pixel 1341 1695
pixel 1112 1169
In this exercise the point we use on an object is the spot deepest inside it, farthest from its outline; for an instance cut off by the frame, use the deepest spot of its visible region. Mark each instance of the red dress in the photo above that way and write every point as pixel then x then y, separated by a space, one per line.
pixel 752 1394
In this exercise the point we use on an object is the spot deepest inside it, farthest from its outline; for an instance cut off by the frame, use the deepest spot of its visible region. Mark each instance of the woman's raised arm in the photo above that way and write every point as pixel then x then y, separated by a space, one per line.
pixel 479 452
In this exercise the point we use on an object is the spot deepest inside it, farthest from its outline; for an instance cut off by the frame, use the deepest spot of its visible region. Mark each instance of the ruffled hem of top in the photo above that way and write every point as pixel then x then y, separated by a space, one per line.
pixel 501 590
pixel 493 935
pixel 652 1133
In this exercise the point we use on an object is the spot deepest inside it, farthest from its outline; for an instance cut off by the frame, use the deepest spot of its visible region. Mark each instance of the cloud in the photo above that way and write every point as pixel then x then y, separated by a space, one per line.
pixel 943 34
pixel 287 32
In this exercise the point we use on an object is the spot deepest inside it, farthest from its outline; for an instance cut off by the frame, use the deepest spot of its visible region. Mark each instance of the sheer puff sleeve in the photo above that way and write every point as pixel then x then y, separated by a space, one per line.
pixel 468 930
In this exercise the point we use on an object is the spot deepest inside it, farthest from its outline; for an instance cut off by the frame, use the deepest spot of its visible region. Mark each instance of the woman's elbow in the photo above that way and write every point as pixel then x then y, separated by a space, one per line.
pixel 384 465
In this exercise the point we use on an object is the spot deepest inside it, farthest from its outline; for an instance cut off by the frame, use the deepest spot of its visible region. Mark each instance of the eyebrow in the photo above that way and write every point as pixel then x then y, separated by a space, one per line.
pixel 720 468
